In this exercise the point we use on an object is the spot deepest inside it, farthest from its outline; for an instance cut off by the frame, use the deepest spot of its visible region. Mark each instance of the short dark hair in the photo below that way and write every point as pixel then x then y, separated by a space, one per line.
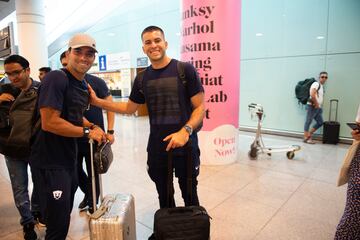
pixel 63 55
pixel 151 29
pixel 323 72
pixel 17 59
pixel 45 69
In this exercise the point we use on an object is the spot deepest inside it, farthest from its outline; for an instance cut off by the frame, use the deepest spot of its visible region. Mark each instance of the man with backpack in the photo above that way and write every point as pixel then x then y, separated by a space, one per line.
pixel 17 70
pixel 175 109
pixel 314 108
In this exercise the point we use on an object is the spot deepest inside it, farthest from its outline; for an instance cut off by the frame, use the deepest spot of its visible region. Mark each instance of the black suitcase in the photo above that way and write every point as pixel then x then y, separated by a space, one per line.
pixel 181 223
pixel 332 128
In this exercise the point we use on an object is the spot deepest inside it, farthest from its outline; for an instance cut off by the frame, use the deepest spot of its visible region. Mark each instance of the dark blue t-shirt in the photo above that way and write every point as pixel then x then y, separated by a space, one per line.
pixel 63 92
pixel 94 114
pixel 168 102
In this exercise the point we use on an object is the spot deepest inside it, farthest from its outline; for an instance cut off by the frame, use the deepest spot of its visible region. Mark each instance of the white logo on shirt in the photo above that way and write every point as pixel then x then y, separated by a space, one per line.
pixel 57 194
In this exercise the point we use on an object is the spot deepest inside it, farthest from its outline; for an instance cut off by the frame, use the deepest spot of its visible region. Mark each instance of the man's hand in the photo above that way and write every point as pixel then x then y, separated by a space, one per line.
pixel 356 134
pixel 177 139
pixel 110 138
pixel 6 97
pixel 93 97
pixel 98 135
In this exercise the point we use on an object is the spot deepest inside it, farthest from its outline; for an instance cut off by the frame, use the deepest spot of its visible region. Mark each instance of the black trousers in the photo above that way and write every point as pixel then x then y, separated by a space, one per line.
pixel 85 183
pixel 158 172
pixel 57 188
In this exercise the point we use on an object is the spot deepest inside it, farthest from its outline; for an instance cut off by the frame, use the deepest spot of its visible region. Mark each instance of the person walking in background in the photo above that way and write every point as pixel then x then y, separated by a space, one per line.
pixel 349 225
pixel 17 69
pixel 314 108
pixel 63 99
pixel 43 71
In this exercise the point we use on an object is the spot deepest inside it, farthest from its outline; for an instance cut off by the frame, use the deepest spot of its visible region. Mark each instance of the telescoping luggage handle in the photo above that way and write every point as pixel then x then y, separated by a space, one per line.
pixel 170 188
pixel 330 111
pixel 91 143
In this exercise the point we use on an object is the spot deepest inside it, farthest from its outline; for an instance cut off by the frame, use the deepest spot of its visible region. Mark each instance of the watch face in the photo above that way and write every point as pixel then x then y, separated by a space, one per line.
pixel 188 129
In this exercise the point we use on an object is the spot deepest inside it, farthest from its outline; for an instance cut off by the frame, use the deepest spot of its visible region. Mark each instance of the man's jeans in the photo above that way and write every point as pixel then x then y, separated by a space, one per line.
pixel 313 114
pixel 18 172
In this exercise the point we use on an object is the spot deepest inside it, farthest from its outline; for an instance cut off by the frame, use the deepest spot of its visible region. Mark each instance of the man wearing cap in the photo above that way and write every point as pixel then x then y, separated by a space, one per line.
pixel 63 98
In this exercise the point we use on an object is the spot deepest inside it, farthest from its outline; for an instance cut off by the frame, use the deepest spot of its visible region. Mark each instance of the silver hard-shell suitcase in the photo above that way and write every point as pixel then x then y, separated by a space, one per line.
pixel 115 218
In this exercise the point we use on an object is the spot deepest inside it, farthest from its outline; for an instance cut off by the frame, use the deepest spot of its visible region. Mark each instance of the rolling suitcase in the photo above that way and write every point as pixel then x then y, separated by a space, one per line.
pixel 181 223
pixel 115 218
pixel 331 128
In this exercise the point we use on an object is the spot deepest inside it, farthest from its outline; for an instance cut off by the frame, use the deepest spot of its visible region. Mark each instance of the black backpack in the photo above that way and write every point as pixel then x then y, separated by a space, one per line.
pixel 5 106
pixel 24 123
pixel 181 73
pixel 302 90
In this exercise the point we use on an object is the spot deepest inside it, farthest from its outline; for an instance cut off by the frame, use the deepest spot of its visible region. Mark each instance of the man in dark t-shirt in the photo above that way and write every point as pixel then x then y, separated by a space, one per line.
pixel 63 98
pixel 175 110
pixel 95 115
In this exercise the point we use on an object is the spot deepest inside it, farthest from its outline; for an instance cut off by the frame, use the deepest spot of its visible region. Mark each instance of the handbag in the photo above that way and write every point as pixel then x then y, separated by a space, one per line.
pixel 103 158
pixel 345 167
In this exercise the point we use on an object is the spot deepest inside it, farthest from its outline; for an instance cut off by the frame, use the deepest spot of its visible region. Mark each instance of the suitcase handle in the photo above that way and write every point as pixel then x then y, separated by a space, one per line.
pixel 170 187
pixel 337 103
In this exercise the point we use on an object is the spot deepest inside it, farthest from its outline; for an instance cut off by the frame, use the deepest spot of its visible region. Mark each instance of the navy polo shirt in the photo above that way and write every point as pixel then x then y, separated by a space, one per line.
pixel 168 101
pixel 64 93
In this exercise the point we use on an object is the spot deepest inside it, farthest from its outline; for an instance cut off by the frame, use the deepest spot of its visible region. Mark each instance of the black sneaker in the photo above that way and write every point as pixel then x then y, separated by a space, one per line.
pixel 29 232
pixel 84 203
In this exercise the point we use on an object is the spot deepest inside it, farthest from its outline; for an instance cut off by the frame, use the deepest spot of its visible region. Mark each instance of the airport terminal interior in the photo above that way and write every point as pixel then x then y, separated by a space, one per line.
pixel 282 42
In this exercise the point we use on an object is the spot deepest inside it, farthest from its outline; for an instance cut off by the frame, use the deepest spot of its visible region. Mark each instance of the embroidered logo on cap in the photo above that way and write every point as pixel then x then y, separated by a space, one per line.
pixel 57 194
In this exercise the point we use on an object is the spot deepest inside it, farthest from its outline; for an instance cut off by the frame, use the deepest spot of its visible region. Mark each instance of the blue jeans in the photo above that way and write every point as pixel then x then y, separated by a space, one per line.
pixel 18 172
pixel 313 114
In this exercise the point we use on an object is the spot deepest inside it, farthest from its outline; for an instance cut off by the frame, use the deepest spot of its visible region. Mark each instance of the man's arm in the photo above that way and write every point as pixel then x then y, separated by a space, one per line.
pixel 313 94
pixel 181 137
pixel 52 122
pixel 110 117
pixel 128 107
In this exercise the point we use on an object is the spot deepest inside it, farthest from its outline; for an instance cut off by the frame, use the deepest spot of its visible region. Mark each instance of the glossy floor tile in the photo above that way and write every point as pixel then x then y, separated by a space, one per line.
pixel 268 198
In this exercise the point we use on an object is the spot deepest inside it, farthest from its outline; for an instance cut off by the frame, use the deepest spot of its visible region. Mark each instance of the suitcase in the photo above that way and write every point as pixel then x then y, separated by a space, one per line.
pixel 115 218
pixel 181 223
pixel 331 128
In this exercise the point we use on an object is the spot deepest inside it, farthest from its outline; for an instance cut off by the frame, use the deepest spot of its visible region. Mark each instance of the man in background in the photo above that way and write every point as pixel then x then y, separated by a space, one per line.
pixel 43 71
pixel 17 70
pixel 314 108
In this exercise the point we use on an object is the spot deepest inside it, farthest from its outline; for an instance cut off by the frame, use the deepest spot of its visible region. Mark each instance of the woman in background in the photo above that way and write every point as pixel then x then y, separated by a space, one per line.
pixel 349 225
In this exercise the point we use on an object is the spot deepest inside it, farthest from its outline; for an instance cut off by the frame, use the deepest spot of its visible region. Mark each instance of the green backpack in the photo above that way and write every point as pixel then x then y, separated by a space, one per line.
pixel 302 90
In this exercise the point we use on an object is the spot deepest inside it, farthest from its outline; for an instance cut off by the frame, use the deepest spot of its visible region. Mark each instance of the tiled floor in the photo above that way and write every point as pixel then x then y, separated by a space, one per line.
pixel 269 198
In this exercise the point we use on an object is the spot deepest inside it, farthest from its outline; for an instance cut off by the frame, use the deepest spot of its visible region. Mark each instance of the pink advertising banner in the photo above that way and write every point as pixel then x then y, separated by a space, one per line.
pixel 211 42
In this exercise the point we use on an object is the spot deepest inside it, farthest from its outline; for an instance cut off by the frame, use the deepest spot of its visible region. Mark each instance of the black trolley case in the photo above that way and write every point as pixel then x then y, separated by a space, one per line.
pixel 332 128
pixel 181 223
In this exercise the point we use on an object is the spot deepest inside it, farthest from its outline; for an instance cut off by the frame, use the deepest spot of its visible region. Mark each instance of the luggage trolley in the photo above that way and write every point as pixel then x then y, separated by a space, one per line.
pixel 258 144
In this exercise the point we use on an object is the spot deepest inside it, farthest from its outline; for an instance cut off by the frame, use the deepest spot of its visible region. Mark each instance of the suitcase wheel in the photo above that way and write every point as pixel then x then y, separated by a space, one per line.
pixel 290 155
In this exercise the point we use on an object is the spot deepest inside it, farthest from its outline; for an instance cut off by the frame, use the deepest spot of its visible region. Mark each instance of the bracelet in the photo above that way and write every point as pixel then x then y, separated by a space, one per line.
pixel 110 132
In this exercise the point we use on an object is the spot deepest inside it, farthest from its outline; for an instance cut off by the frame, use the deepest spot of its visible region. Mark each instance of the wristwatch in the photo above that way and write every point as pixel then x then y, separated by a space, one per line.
pixel 110 132
pixel 188 129
pixel 86 132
